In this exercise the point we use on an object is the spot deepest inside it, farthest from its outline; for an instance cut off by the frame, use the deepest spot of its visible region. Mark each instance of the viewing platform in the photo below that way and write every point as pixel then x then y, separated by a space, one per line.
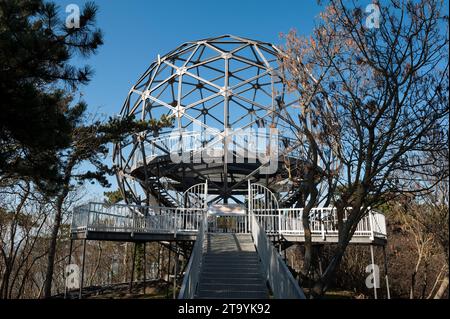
pixel 121 222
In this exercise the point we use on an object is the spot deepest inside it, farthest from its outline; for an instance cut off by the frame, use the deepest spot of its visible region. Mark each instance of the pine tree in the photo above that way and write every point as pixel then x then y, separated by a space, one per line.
pixel 37 80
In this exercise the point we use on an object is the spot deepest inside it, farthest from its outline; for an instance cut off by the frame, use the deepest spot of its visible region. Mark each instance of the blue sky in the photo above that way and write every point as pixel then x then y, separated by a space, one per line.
pixel 136 31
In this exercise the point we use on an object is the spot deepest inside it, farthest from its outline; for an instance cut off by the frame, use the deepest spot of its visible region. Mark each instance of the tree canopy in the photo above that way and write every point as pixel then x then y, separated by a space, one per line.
pixel 37 83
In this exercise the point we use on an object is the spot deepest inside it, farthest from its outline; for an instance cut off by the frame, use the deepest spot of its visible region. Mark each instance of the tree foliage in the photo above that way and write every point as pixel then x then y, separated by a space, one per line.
pixel 36 115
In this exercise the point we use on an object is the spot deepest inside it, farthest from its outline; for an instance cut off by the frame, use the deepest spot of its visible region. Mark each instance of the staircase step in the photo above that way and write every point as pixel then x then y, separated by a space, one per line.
pixel 234 264
pixel 256 286
pixel 230 274
pixel 231 280
pixel 212 294
pixel 235 275
pixel 231 258
pixel 231 268
pixel 240 254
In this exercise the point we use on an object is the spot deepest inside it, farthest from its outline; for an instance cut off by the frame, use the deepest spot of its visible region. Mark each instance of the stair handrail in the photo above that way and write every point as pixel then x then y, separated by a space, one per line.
pixel 191 276
pixel 280 279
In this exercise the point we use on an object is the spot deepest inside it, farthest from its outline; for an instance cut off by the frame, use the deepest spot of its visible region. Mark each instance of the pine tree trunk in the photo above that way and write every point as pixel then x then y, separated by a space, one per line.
pixel 52 250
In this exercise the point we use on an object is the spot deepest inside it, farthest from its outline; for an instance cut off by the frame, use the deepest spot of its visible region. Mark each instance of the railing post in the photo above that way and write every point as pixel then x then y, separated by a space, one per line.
pixel 206 195
pixel 372 236
pixel 322 224
pixel 250 208
pixel 175 224
pixel 88 217
pixel 246 221
pixel 279 222
pixel 205 211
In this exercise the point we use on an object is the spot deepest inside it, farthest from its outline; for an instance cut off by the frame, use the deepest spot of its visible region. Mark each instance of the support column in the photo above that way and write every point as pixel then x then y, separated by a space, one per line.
pixel 168 270
pixel 374 273
pixel 82 269
pixel 70 259
pixel 145 267
pixel 132 269
pixel 175 273
pixel 386 273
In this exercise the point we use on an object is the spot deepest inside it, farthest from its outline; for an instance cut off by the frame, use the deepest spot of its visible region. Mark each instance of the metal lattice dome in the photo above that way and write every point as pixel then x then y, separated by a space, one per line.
pixel 212 89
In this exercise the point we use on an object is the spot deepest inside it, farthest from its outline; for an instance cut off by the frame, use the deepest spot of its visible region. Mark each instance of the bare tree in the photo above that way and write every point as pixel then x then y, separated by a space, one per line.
pixel 381 95
pixel 23 215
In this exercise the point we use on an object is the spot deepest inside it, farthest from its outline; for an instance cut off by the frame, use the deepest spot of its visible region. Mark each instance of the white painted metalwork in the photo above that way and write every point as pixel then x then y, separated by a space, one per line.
pixel 284 221
pixel 191 276
pixel 263 203
pixel 196 196
pixel 280 279
pixel 262 199
pixel 119 218
pixel 228 224
pixel 213 89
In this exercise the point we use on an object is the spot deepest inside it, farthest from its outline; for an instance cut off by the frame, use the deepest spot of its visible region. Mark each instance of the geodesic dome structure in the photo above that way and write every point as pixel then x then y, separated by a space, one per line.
pixel 230 113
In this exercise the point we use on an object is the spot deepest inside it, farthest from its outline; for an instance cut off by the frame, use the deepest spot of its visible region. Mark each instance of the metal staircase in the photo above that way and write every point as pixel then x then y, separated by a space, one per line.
pixel 290 198
pixel 231 268
pixel 241 264
pixel 159 191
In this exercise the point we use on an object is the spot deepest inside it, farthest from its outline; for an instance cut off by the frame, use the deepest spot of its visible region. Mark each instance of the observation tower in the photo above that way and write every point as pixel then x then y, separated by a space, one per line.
pixel 217 178
pixel 231 124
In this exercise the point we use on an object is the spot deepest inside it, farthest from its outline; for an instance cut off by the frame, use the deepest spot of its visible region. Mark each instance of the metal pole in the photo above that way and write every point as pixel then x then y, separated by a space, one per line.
pixel 386 273
pixel 145 268
pixel 206 195
pixel 132 268
pixel 372 236
pixel 82 269
pixel 279 222
pixel 70 259
pixel 226 118
pixel 175 274
pixel 168 270
pixel 374 273
pixel 249 205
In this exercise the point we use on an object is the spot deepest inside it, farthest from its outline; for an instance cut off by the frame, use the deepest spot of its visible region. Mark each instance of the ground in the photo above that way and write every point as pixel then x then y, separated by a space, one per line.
pixel 156 289
pixel 160 289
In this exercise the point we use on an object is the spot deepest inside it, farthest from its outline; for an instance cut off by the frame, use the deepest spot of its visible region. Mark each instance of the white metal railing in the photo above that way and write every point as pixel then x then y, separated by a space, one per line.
pixel 196 196
pixel 237 224
pixel 286 221
pixel 191 276
pixel 323 222
pixel 133 218
pixel 280 279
